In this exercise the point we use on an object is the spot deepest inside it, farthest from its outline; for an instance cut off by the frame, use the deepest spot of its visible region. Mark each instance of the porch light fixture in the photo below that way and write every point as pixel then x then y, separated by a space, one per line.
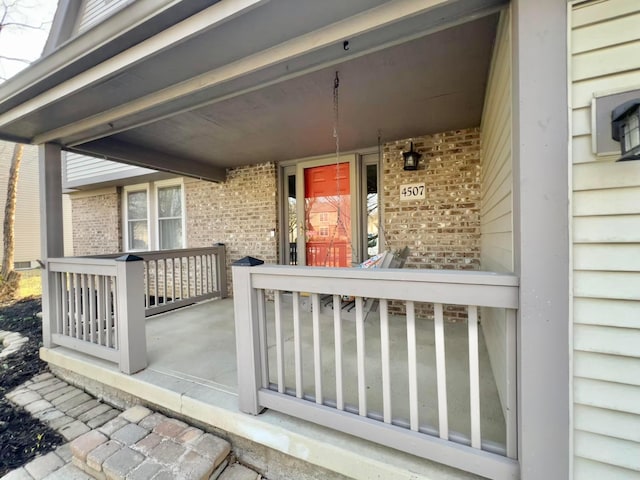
pixel 625 128
pixel 411 159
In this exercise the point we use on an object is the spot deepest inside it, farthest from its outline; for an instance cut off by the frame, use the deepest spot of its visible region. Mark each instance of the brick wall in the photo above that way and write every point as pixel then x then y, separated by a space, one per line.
pixel 241 213
pixel 97 222
pixel 443 230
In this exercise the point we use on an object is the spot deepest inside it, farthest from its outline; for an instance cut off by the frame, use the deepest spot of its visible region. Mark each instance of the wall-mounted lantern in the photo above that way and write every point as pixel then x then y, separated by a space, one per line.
pixel 625 128
pixel 411 159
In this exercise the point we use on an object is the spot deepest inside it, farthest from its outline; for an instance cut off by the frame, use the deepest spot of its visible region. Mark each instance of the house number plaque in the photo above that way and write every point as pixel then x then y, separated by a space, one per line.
pixel 412 191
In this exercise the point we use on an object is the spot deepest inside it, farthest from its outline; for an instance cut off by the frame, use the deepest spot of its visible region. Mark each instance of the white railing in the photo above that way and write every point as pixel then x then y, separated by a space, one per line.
pixel 335 391
pixel 177 278
pixel 96 307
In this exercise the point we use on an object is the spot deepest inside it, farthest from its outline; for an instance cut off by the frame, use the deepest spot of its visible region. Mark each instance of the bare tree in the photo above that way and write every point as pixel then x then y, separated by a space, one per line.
pixel 14 16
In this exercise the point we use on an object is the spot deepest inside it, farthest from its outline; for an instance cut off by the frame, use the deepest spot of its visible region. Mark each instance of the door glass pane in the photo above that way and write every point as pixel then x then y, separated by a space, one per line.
pixel 372 213
pixel 292 216
pixel 327 209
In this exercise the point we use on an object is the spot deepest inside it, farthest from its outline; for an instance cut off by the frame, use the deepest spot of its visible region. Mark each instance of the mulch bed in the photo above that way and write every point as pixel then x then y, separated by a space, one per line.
pixel 22 437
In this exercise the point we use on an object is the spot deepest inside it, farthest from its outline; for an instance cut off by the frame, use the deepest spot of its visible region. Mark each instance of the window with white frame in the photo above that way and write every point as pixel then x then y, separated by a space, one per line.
pixel 154 216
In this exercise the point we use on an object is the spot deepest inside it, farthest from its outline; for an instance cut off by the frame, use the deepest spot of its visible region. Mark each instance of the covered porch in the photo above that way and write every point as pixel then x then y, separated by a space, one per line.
pixel 405 377
pixel 398 374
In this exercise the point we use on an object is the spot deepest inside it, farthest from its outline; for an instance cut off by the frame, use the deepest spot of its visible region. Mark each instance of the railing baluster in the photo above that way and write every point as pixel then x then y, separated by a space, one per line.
pixel 156 287
pixel 85 305
pixel 412 366
pixel 188 276
pixel 317 351
pixel 264 347
pixel 279 340
pixel 297 349
pixel 360 346
pixel 114 317
pixel 337 334
pixel 92 308
pixel 64 296
pixel 441 371
pixel 78 307
pixel 111 312
pixel 164 276
pixel 173 279
pixel 147 298
pixel 474 377
pixel 101 309
pixel 207 271
pixel 386 360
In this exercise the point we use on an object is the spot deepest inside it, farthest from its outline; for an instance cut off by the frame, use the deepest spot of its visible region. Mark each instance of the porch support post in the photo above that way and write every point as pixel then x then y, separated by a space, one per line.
pixel 245 305
pixel 221 270
pixel 51 231
pixel 132 339
pixel 541 235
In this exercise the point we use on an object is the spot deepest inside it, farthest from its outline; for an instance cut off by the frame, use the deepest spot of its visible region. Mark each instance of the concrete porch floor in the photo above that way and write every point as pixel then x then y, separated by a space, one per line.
pixel 192 372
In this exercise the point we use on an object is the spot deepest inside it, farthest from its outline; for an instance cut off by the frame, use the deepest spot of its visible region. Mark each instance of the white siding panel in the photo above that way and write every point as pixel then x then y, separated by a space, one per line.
pixel 608 340
pixel 607 229
pixel 605 34
pixel 617 201
pixel 607 422
pixel 581 121
pixel 585 469
pixel 582 150
pixel 607 257
pixel 608 395
pixel 614 451
pixel 605 41
pixel 614 313
pixel 599 11
pixel 85 170
pixel 617 285
pixel 27 220
pixel 496 211
pixel 95 11
pixel 582 91
pixel 605 174
pixel 613 60
pixel 613 368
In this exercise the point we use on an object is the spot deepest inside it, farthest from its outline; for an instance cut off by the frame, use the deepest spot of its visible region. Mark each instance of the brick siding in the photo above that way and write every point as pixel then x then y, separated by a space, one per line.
pixel 443 230
pixel 97 223
pixel 241 213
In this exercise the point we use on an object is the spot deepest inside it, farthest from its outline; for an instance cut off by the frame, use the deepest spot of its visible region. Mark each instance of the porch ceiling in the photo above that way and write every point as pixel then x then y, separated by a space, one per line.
pixel 411 68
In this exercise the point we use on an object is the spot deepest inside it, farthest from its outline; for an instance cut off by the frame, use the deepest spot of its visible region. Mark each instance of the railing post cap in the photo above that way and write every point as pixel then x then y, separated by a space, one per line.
pixel 129 258
pixel 248 262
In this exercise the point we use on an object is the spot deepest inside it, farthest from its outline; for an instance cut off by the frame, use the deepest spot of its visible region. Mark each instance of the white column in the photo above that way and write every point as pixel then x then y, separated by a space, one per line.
pixel 51 231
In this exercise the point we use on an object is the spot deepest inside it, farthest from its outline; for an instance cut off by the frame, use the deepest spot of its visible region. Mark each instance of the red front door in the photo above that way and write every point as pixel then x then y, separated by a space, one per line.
pixel 327 215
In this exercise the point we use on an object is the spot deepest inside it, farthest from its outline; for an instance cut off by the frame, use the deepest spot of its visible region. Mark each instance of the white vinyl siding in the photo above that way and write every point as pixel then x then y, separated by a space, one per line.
pixel 496 213
pixel 95 11
pixel 27 221
pixel 84 170
pixel 605 57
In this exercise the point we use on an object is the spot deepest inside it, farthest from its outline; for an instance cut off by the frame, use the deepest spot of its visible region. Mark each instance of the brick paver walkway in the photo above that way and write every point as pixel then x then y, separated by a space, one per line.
pixel 108 444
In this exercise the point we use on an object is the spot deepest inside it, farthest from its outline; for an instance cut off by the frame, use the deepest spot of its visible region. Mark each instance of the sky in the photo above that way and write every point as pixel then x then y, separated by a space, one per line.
pixel 21 42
